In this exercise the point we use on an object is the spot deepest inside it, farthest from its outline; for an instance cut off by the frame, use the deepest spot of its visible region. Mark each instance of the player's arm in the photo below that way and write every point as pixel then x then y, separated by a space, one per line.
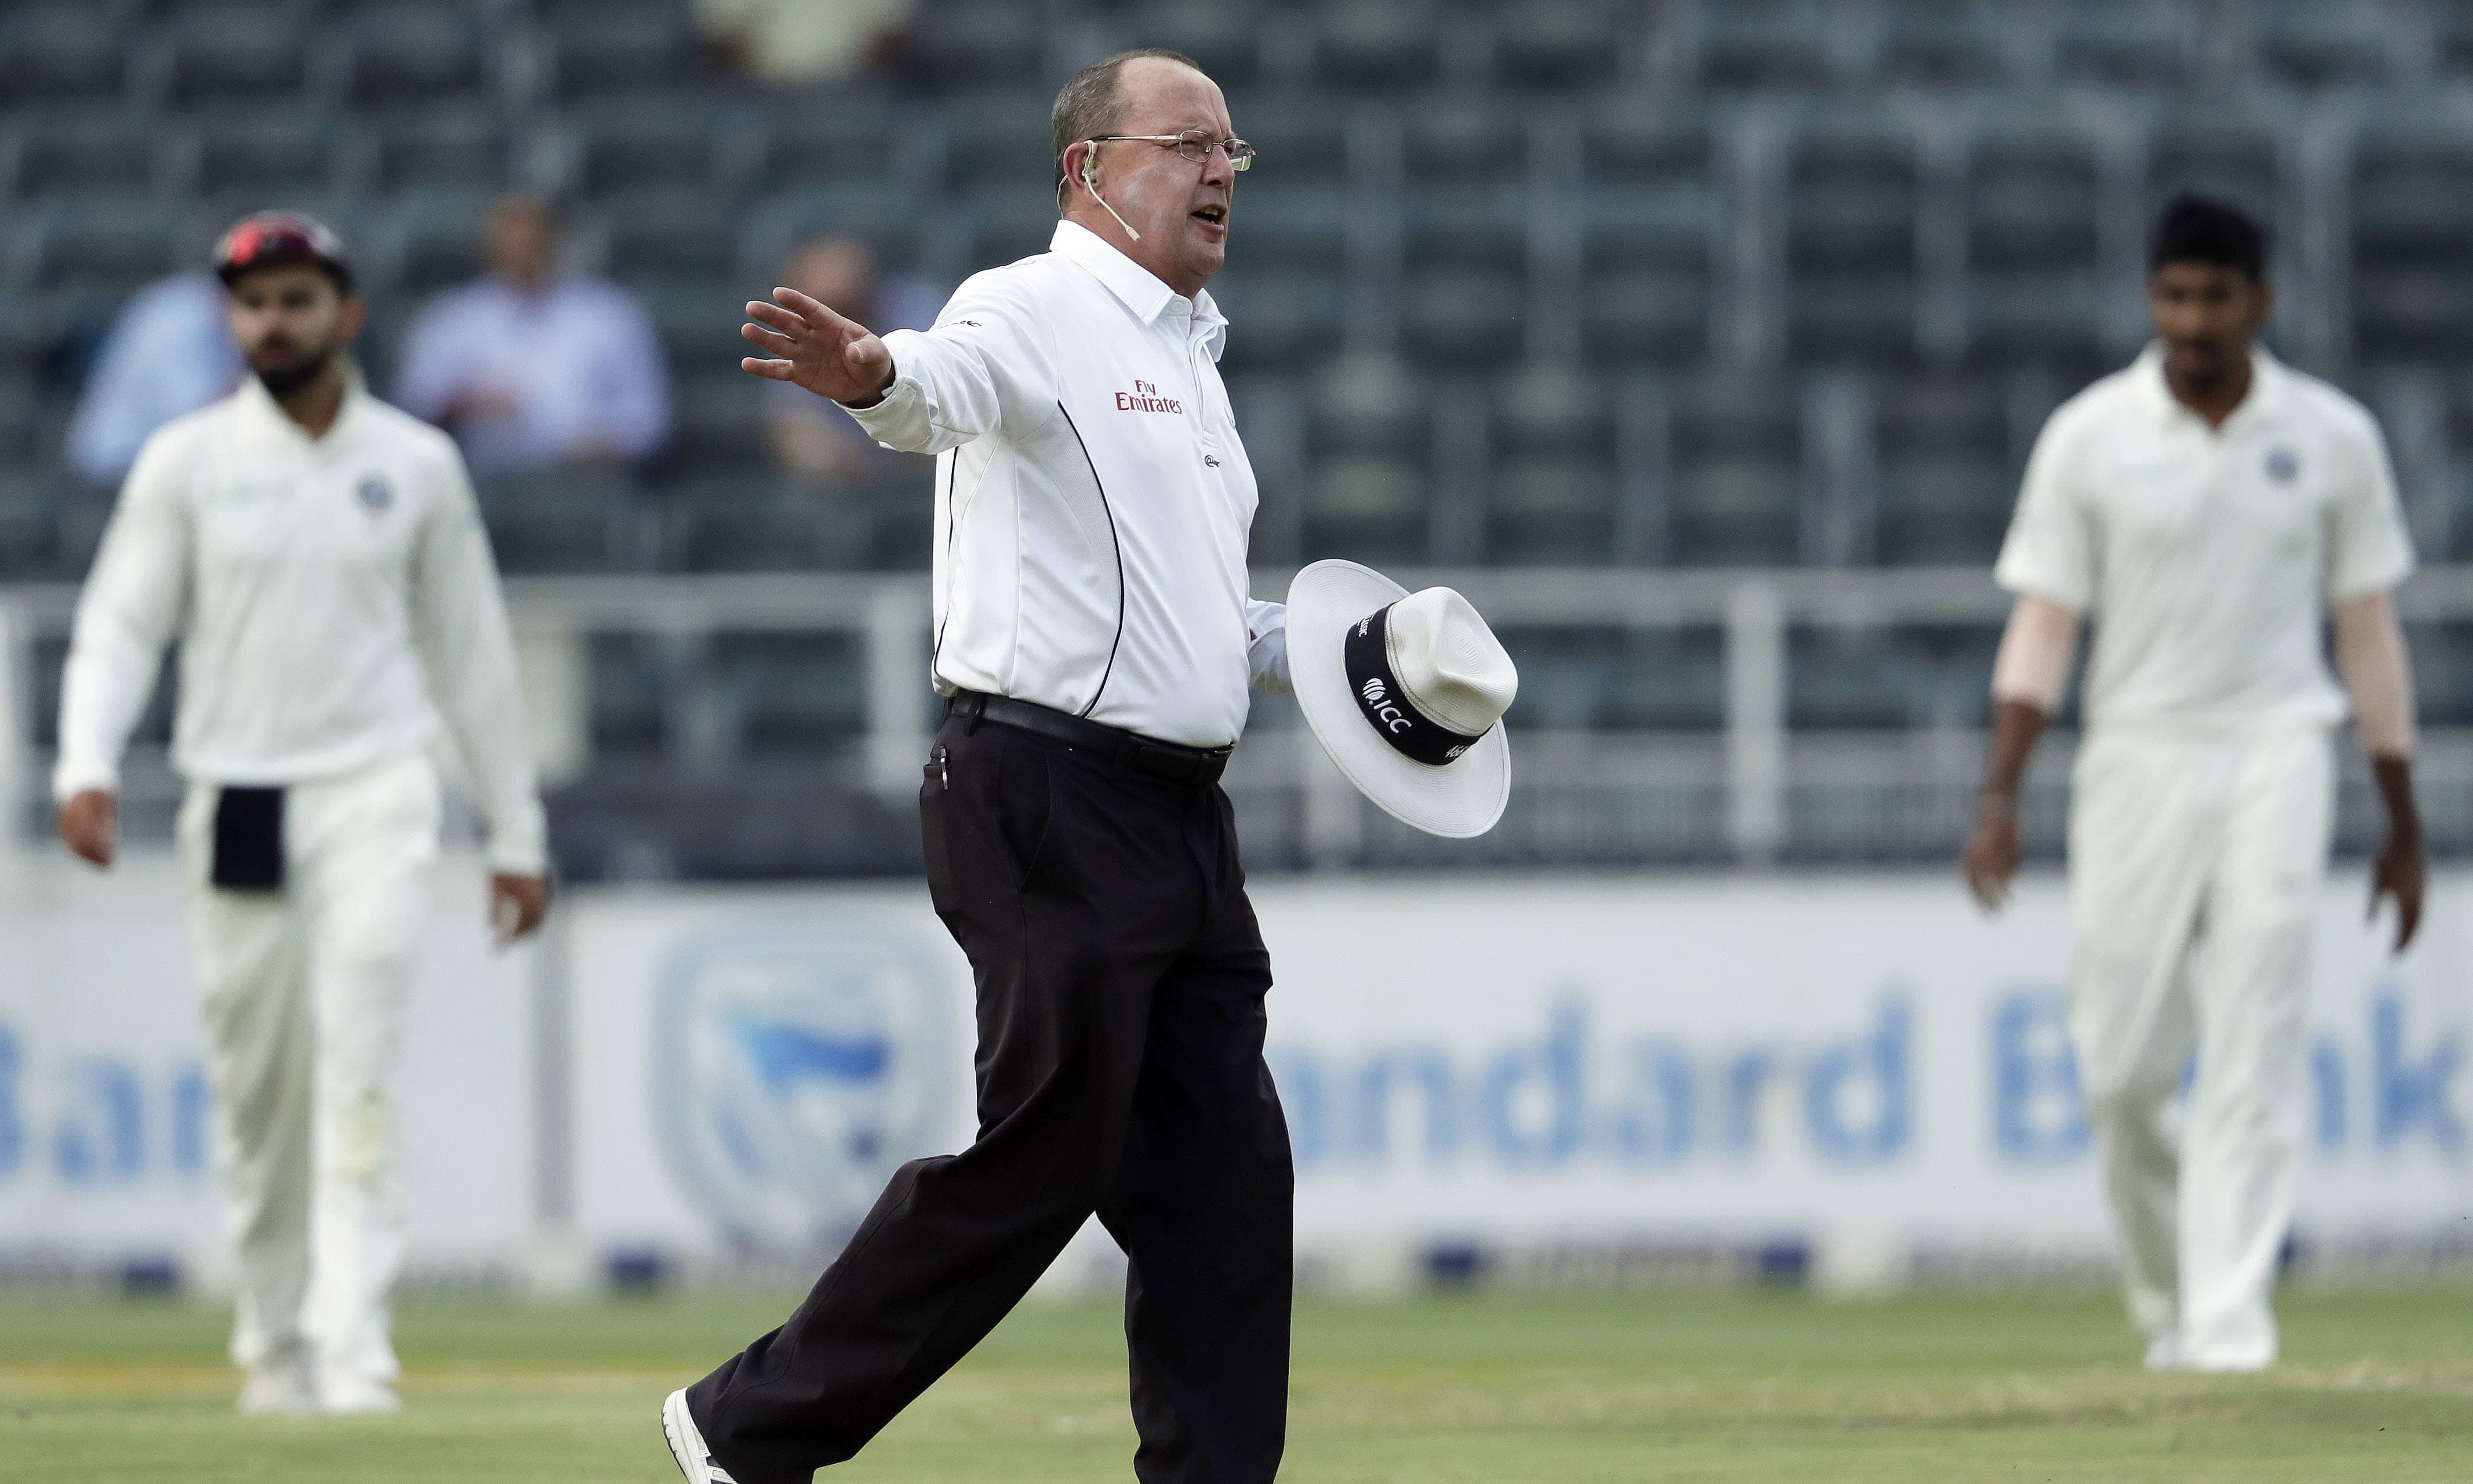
pixel 468 655
pixel 2370 656
pixel 131 607
pixel 2027 676
pixel 915 390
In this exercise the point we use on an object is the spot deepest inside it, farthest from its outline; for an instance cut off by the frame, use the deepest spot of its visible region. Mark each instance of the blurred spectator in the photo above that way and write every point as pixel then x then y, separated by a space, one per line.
pixel 788 43
pixel 532 367
pixel 811 436
pixel 168 352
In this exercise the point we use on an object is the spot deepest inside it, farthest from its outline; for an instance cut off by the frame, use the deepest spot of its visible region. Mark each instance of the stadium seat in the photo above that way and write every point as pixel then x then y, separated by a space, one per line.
pixel 25 510
pixel 425 58
pixel 452 150
pixel 717 427
pixel 697 321
pixel 1667 679
pixel 2412 231
pixel 1737 492
pixel 1225 39
pixel 2032 210
pixel 1767 45
pixel 958 48
pixel 1935 43
pixel 2326 43
pixel 1369 434
pixel 248 160
pixel 1851 249
pixel 772 523
pixel 56 55
pixel 103 247
pixel 561 521
pixel 665 232
pixel 65 155
pixel 1375 45
pixel 626 150
pixel 432 240
pixel 1947 486
pixel 2127 43
pixel 807 147
pixel 1278 321
pixel 1552 490
pixel 795 695
pixel 237 55
pixel 618 50
pixel 1465 160
pixel 2223 158
pixel 1555 46
pixel 2442 671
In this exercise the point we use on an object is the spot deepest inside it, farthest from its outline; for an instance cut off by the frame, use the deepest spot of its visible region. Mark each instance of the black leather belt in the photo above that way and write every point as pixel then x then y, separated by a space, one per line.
pixel 1199 766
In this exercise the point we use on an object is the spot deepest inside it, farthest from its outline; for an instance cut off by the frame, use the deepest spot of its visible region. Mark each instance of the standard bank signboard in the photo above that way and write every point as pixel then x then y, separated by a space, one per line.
pixel 1603 1059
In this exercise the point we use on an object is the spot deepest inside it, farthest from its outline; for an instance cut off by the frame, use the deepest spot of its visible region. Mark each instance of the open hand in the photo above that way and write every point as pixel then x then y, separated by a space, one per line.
pixel 817 348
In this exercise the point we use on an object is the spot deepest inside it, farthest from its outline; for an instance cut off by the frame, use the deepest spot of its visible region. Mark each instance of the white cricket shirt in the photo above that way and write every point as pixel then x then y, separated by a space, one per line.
pixel 2208 556
pixel 333 597
pixel 1092 500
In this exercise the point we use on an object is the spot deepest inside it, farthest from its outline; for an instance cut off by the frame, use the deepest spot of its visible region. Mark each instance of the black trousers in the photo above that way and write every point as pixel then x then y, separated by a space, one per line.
pixel 1120 981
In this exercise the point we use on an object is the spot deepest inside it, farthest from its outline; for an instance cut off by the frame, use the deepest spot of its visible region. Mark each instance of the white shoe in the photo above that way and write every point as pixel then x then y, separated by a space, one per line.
pixel 278 1388
pixel 2164 1352
pixel 357 1395
pixel 687 1445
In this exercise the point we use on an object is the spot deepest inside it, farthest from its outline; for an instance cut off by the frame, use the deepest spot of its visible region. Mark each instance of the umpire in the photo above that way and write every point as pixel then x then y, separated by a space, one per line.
pixel 1095 643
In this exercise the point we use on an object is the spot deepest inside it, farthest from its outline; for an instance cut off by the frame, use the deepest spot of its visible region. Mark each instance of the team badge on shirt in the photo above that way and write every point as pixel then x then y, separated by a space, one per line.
pixel 2283 466
pixel 376 494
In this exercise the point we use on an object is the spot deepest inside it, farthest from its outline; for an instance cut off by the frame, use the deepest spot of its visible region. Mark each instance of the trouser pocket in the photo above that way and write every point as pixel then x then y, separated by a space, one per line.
pixel 248 839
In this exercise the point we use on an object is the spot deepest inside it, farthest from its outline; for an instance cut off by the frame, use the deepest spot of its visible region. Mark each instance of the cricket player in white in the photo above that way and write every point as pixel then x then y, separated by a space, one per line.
pixel 321 560
pixel 2210 507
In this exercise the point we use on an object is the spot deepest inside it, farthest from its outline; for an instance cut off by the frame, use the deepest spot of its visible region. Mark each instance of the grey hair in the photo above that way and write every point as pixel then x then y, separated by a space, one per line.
pixel 1093 101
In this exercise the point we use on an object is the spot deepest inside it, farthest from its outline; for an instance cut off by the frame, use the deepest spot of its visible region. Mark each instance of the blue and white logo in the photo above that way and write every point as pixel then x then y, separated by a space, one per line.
pixel 376 494
pixel 796 1066
pixel 2283 466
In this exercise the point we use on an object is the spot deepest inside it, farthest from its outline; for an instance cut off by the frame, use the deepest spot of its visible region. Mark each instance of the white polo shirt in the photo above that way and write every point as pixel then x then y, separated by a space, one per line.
pixel 2208 556
pixel 1093 500
pixel 333 597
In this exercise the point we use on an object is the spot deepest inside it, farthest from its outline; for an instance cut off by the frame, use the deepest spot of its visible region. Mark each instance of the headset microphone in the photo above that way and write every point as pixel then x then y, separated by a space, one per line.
pixel 1089 162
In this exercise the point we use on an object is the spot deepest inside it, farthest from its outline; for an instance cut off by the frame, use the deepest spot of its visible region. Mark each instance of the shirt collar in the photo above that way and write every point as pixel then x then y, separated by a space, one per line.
pixel 1140 288
pixel 2267 379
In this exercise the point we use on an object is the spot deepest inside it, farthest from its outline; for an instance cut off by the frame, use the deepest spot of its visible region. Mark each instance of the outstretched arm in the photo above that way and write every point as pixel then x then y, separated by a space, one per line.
pixel 2027 676
pixel 2370 656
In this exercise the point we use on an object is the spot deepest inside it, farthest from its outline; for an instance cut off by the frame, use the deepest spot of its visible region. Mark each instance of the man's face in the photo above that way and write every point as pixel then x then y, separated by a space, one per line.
pixel 289 320
pixel 2205 314
pixel 1181 207
pixel 522 242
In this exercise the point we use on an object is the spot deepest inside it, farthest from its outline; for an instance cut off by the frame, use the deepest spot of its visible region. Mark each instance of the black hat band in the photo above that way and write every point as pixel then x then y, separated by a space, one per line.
pixel 1385 703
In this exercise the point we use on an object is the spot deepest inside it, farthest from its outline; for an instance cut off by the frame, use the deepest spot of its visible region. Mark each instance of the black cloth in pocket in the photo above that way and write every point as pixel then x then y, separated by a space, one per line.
pixel 249 839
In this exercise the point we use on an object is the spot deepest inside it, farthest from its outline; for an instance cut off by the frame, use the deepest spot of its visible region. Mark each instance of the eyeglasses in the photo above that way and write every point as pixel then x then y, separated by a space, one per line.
pixel 1194 146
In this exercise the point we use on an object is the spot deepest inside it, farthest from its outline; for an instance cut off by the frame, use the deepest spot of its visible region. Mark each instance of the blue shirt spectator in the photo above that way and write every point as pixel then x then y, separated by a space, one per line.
pixel 168 352
pixel 810 437
pixel 531 369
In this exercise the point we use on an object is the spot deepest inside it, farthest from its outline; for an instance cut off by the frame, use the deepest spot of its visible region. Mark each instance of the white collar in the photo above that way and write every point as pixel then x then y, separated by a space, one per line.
pixel 262 405
pixel 2265 400
pixel 1140 290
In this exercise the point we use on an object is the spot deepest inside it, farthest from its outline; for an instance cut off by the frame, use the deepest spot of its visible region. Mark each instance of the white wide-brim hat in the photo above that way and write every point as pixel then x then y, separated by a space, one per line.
pixel 1406 693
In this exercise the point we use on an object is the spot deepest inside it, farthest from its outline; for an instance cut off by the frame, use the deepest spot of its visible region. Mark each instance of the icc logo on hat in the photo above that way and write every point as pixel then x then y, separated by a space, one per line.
pixel 794 1066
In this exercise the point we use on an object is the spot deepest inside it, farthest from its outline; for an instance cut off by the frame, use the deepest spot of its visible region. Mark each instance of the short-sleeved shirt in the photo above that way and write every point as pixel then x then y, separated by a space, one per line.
pixel 2208 557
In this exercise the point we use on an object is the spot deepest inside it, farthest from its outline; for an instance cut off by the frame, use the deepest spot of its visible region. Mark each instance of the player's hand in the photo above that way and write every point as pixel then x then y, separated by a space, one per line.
pixel 817 348
pixel 1993 852
pixel 517 905
pixel 89 824
pixel 2398 872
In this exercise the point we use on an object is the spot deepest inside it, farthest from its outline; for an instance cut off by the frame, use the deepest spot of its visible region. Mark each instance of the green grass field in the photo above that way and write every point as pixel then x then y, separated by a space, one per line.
pixel 1480 1390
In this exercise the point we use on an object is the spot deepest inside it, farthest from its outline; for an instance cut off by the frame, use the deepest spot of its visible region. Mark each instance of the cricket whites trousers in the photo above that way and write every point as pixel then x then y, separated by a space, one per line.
pixel 2194 865
pixel 1121 982
pixel 304 988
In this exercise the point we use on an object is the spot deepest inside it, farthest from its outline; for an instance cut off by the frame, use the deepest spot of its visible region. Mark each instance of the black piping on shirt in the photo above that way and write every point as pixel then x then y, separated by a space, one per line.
pixel 1119 548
